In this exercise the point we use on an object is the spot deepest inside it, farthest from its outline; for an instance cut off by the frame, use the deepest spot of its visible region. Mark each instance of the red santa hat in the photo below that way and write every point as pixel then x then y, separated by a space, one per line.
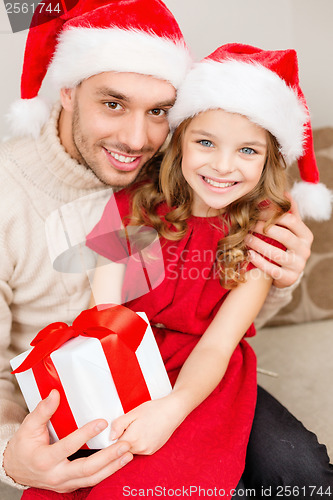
pixel 137 36
pixel 262 85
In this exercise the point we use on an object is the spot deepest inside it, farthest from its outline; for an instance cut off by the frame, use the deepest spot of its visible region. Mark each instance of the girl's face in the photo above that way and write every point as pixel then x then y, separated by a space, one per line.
pixel 223 158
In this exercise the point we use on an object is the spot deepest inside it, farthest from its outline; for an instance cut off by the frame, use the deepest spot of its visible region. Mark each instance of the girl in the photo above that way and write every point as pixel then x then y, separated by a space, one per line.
pixel 239 118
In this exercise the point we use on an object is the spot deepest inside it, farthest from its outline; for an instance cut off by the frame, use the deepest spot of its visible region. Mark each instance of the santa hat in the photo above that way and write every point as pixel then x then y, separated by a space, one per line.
pixel 137 36
pixel 263 86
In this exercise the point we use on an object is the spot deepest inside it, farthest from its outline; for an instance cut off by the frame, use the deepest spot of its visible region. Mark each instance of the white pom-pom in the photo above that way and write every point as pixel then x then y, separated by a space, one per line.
pixel 27 116
pixel 314 201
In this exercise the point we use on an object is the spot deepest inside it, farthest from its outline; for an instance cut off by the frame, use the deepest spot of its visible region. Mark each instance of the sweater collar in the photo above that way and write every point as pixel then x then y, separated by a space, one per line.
pixel 58 162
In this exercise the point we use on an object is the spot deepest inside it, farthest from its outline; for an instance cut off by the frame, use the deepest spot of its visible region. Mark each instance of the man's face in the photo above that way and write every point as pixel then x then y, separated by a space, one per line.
pixel 113 123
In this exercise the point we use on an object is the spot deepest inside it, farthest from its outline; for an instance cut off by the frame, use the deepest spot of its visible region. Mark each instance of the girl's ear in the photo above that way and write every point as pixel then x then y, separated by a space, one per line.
pixel 67 98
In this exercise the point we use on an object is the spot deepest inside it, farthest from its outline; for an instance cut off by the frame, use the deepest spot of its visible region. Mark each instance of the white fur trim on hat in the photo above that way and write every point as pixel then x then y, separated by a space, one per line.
pixel 314 201
pixel 28 115
pixel 83 52
pixel 248 89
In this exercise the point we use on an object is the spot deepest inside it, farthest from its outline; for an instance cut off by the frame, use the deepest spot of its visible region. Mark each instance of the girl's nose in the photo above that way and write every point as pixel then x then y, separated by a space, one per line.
pixel 223 163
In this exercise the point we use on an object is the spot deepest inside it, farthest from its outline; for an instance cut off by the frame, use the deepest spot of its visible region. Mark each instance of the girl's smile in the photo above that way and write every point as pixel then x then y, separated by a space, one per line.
pixel 223 158
pixel 218 184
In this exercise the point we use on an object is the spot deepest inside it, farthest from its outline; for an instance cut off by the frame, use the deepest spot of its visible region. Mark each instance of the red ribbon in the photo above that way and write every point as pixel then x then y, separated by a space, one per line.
pixel 120 332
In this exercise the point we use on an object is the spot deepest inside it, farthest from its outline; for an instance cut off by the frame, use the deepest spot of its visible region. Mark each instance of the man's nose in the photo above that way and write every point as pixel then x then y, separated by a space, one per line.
pixel 133 132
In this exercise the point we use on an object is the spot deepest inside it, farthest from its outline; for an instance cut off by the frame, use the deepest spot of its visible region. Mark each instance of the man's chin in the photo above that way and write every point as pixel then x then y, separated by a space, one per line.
pixel 118 179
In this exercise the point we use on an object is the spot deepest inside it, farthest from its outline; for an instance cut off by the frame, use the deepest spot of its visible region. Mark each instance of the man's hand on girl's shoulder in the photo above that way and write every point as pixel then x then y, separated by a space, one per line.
pixel 284 266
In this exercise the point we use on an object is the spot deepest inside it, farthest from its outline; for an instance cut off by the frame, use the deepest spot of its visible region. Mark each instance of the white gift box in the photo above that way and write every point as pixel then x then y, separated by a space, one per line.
pixel 88 384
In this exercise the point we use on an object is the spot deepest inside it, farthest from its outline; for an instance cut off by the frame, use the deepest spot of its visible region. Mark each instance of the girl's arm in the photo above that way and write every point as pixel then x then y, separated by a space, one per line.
pixel 150 425
pixel 208 362
pixel 106 282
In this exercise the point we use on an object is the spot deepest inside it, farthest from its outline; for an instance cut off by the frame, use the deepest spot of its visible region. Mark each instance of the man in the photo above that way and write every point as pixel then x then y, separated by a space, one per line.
pixel 117 67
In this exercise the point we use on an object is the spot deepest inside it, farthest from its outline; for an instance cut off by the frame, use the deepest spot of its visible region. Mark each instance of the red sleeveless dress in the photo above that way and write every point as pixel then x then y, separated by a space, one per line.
pixel 209 448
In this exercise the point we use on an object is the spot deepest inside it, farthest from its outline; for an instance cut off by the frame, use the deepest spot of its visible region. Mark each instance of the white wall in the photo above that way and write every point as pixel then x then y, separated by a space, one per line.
pixel 305 25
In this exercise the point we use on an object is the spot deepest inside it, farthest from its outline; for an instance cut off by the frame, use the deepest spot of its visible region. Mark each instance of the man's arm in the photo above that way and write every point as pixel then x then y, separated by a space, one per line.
pixel 291 231
pixel 11 412
pixel 26 457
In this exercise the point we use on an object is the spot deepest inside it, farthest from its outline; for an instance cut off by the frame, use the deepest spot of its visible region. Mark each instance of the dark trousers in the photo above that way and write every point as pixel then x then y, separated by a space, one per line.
pixel 284 459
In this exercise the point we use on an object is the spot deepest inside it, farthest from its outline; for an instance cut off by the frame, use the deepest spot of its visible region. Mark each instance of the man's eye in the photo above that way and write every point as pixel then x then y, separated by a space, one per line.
pixel 206 143
pixel 158 112
pixel 113 105
pixel 248 151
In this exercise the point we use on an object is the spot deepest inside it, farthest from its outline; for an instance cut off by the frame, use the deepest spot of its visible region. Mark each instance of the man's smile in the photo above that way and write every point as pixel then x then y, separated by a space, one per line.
pixel 122 158
pixel 122 162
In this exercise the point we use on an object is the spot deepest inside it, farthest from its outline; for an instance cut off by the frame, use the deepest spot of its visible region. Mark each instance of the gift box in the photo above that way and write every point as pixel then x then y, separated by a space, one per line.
pixel 104 365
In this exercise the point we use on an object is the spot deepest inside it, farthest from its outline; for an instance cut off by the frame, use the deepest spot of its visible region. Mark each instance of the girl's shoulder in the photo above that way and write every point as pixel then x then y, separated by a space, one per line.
pixel 123 198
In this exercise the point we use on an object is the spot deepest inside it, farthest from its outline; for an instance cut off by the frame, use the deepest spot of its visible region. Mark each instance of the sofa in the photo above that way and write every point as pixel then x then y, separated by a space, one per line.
pixel 295 349
pixel 297 344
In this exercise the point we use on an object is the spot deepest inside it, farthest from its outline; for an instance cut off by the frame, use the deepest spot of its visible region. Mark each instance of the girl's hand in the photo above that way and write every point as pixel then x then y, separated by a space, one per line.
pixel 291 231
pixel 148 427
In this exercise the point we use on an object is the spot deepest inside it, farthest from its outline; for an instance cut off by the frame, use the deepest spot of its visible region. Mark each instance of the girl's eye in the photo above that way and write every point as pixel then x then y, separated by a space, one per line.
pixel 158 112
pixel 113 105
pixel 248 151
pixel 206 143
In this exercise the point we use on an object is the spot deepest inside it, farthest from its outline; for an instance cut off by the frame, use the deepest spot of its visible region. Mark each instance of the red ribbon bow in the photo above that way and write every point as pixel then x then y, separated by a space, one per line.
pixel 120 331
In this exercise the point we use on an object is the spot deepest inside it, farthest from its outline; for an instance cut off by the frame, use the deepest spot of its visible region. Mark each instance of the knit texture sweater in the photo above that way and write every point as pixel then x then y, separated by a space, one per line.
pixel 37 178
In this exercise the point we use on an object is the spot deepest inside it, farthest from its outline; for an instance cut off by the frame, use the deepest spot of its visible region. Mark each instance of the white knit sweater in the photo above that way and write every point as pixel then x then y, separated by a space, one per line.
pixel 38 177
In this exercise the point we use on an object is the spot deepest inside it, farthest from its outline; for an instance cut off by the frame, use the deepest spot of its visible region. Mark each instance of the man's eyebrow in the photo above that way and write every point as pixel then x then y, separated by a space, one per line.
pixel 165 104
pixel 107 92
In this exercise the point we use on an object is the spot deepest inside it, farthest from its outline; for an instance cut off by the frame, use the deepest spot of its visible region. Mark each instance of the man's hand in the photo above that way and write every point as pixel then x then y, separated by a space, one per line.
pixel 148 427
pixel 289 230
pixel 29 459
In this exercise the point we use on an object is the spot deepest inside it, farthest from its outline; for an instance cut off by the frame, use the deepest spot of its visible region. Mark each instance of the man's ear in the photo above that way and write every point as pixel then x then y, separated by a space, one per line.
pixel 67 98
